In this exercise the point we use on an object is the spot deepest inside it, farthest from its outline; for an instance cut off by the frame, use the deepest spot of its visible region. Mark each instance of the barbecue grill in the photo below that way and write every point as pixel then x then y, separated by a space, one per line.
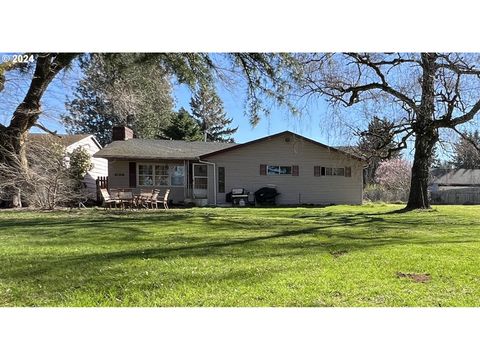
pixel 266 195
pixel 239 196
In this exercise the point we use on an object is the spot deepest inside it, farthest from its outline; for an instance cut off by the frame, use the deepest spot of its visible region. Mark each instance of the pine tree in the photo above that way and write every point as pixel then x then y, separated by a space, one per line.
pixel 183 127
pixel 116 90
pixel 466 155
pixel 207 109
pixel 375 143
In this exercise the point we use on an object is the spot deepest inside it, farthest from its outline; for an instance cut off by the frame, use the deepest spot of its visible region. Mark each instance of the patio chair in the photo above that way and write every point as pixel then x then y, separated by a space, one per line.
pixel 108 200
pixel 163 201
pixel 152 200
pixel 126 198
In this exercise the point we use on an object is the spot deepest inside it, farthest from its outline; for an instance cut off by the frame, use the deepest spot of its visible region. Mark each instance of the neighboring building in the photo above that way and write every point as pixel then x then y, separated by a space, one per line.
pixel 71 142
pixel 302 170
pixel 459 186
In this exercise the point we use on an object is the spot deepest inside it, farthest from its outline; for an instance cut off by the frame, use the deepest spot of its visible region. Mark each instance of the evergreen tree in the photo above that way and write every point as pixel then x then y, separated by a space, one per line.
pixel 377 144
pixel 207 109
pixel 183 127
pixel 115 90
pixel 466 155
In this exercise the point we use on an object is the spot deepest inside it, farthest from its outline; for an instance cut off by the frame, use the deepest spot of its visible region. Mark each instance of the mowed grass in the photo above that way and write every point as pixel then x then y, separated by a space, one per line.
pixel 332 256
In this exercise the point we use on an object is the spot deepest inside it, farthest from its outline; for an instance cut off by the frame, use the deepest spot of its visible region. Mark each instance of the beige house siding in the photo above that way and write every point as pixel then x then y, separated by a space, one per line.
pixel 242 169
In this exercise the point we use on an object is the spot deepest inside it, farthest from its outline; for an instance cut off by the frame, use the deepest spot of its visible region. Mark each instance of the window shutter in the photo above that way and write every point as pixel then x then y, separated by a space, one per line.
pixel 132 174
pixel 263 169
pixel 348 171
pixel 295 170
pixel 316 171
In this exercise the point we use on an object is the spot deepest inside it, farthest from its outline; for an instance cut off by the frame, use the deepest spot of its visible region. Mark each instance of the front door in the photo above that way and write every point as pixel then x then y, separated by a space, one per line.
pixel 200 181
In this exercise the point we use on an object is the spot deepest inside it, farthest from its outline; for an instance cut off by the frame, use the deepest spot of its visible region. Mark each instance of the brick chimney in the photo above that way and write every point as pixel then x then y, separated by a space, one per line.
pixel 121 133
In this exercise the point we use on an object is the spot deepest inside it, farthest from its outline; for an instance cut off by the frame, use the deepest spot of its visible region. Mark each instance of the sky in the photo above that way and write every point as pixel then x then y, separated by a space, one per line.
pixel 312 123
pixel 317 121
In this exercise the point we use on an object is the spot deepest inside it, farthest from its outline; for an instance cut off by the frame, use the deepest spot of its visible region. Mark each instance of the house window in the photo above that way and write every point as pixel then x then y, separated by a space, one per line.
pixel 279 170
pixel 145 175
pixel 177 176
pixel 338 172
pixel 200 170
pixel 221 179
pixel 328 171
pixel 160 175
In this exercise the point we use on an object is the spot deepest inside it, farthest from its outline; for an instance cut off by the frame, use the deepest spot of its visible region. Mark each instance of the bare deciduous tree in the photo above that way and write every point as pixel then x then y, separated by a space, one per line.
pixel 47 181
pixel 431 91
pixel 13 136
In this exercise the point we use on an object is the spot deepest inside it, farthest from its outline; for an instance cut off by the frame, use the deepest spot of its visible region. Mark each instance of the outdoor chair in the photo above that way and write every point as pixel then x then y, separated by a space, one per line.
pixel 164 201
pixel 142 200
pixel 152 200
pixel 108 200
pixel 126 198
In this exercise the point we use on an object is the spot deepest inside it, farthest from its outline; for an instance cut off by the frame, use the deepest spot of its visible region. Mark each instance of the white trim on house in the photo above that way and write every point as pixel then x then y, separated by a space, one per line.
pixel 214 179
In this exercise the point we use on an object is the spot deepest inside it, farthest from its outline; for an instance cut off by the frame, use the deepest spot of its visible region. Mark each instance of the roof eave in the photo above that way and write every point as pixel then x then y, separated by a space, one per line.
pixel 143 157
pixel 279 134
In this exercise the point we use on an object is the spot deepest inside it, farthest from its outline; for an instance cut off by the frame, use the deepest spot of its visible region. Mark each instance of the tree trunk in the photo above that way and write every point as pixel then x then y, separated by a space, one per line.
pixel 418 197
pixel 426 135
pixel 16 198
pixel 12 138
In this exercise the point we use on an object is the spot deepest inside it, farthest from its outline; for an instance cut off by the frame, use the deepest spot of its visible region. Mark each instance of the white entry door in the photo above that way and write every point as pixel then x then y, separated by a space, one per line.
pixel 200 181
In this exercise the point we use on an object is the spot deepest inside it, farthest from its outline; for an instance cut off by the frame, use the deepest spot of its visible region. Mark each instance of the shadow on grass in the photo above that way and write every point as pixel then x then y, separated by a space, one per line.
pixel 302 235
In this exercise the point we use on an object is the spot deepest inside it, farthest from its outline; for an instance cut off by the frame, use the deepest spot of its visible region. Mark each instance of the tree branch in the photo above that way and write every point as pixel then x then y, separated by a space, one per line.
pixel 451 123
pixel 40 126
pixel 356 90
pixel 462 135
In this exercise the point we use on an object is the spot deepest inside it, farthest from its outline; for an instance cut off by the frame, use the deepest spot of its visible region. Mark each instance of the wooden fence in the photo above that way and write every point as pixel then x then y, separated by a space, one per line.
pixel 456 196
pixel 102 183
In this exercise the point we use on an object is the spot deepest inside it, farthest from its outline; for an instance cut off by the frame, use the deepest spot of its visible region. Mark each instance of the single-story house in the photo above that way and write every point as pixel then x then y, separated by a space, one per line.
pixel 458 186
pixel 71 142
pixel 302 170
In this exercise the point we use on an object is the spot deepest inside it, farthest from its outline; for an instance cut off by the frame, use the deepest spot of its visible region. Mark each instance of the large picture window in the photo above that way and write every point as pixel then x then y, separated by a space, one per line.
pixel 145 175
pixel 178 176
pixel 279 170
pixel 160 175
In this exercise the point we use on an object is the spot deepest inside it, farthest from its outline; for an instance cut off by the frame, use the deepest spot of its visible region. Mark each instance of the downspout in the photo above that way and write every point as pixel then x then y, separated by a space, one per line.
pixel 214 179
pixel 185 180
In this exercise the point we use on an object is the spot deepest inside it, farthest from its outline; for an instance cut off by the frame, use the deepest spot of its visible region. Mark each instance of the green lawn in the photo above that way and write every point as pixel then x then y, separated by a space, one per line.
pixel 332 256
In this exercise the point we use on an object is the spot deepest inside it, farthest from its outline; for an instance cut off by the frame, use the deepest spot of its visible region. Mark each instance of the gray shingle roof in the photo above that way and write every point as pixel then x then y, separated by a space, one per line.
pixel 159 149
pixel 64 139
pixel 456 177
